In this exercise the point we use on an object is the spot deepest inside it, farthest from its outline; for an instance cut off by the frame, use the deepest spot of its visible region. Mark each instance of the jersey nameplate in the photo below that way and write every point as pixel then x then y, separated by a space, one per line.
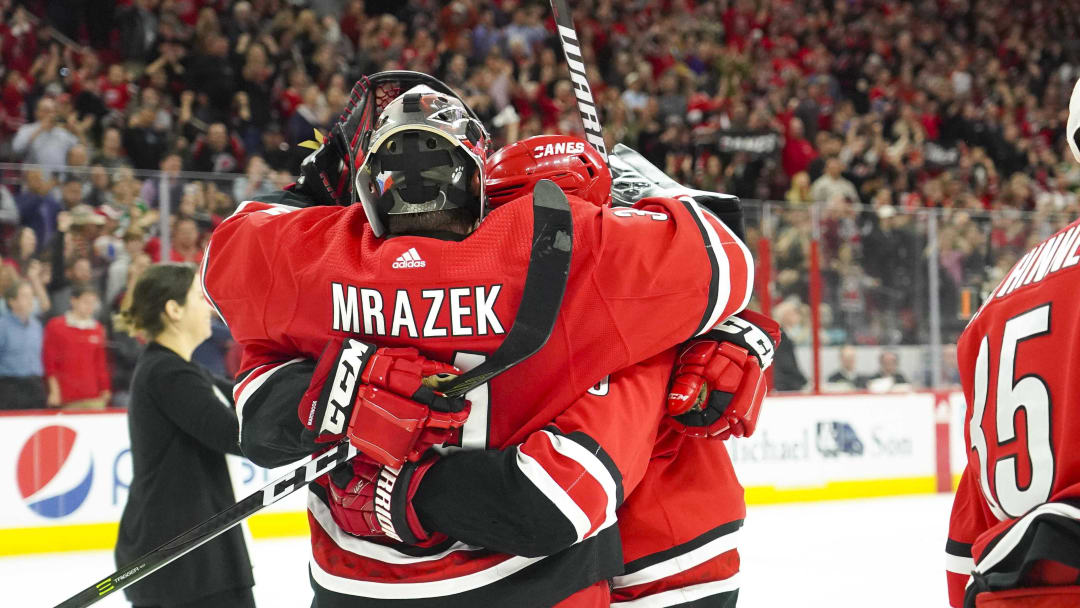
pixel 435 313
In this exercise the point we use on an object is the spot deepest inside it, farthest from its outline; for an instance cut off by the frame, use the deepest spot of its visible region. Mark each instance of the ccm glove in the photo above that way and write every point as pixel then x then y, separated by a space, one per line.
pixel 718 384
pixel 371 499
pixel 382 399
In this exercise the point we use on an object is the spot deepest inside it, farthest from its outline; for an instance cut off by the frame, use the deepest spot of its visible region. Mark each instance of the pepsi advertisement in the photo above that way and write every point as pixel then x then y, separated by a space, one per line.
pixel 75 469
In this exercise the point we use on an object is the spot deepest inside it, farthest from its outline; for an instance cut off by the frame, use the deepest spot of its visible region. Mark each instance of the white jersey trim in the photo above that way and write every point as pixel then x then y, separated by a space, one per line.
pixel 554 492
pixel 592 465
pixel 1012 538
pixel 959 565
pixel 367 549
pixel 714 248
pixel 683 595
pixel 747 258
pixel 680 563
pixel 446 587
pixel 247 387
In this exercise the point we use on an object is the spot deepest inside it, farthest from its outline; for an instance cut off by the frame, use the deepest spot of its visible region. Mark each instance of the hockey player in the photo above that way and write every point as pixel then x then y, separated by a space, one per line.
pixel 679 527
pixel 330 262
pixel 1014 536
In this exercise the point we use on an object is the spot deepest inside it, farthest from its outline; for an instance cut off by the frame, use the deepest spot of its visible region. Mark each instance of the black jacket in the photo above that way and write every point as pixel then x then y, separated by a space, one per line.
pixel 181 424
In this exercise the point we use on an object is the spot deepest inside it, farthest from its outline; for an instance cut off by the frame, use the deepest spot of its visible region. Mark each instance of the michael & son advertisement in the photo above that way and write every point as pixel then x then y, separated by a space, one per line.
pixel 818 441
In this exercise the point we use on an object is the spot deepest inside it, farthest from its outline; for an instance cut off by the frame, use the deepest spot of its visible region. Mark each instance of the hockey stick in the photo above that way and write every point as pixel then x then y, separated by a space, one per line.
pixel 564 21
pixel 541 299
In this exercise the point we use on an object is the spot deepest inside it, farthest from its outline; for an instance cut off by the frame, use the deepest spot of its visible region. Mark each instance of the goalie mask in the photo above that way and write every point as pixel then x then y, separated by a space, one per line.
pixel 574 165
pixel 426 153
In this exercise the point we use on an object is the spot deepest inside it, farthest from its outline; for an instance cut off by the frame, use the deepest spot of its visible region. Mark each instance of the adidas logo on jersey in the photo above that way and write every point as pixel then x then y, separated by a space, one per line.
pixel 409 259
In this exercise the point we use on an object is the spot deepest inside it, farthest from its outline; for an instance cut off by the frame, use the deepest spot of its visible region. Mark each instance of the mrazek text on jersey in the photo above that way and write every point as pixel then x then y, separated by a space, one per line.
pixel 417 313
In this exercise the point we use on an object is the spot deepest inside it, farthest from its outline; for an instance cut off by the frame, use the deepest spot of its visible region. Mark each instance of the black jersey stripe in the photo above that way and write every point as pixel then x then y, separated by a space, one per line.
pixel 662 556
pixel 714 282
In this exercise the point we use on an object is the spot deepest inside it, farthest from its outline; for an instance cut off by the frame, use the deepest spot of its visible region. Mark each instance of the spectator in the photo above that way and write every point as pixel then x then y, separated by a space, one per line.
pixel 71 192
pixel 37 207
pixel 846 378
pixel 146 138
pixel 833 185
pixel 112 153
pixel 798 152
pixel 67 275
pixel 45 141
pixel 218 152
pixel 118 277
pixel 888 378
pixel 800 189
pixel 255 181
pixel 786 373
pixel 185 241
pixel 138 29
pixel 98 186
pixel 73 355
pixel 170 166
pixel 182 423
pixel 21 372
pixel 9 211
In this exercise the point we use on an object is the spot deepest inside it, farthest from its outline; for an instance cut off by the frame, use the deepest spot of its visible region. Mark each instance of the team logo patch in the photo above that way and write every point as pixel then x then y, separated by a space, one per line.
pixel 54 471
pixel 409 259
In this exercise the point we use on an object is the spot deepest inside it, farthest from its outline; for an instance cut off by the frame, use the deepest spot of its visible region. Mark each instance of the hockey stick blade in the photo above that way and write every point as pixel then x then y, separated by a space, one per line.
pixel 571 47
pixel 541 299
pixel 545 284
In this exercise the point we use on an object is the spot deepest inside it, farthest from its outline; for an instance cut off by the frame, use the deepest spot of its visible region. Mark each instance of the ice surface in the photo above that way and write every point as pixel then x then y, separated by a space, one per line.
pixel 884 552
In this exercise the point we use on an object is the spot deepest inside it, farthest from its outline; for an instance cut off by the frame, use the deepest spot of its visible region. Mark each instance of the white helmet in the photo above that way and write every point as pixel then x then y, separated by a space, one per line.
pixel 426 153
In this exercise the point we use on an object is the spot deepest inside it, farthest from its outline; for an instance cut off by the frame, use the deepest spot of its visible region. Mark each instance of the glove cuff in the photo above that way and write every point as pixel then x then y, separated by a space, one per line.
pixel 394 492
pixel 326 407
pixel 752 331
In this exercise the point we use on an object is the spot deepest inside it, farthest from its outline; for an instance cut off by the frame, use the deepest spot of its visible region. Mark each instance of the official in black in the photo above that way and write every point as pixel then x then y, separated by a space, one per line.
pixel 182 423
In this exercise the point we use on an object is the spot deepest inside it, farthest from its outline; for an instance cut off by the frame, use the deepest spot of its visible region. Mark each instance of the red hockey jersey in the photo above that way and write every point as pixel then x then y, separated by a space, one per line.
pixel 641 281
pixel 680 528
pixel 1017 360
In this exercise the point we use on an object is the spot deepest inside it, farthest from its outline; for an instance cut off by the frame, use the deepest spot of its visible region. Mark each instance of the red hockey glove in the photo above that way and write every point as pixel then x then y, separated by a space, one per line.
pixel 369 499
pixel 718 384
pixel 379 397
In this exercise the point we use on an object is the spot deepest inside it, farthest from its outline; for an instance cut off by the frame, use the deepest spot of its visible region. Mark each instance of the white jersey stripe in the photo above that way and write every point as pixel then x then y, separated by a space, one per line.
pixel 747 258
pixel 368 549
pixel 580 454
pixel 245 389
pixel 716 250
pixel 959 565
pixel 682 595
pixel 1012 538
pixel 680 563
pixel 554 492
pixel 441 588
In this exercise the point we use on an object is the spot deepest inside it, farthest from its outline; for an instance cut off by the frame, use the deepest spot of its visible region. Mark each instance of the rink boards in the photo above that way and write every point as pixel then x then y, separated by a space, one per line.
pixel 67 478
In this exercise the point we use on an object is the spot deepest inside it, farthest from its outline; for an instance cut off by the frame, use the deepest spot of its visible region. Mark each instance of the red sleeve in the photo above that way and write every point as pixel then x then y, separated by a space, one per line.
pixel 602 445
pixel 563 484
pixel 51 348
pixel 674 260
pixel 237 267
pixel 970 518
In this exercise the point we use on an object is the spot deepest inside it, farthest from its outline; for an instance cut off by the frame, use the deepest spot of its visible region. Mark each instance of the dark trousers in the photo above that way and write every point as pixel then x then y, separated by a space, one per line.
pixel 231 598
pixel 22 392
